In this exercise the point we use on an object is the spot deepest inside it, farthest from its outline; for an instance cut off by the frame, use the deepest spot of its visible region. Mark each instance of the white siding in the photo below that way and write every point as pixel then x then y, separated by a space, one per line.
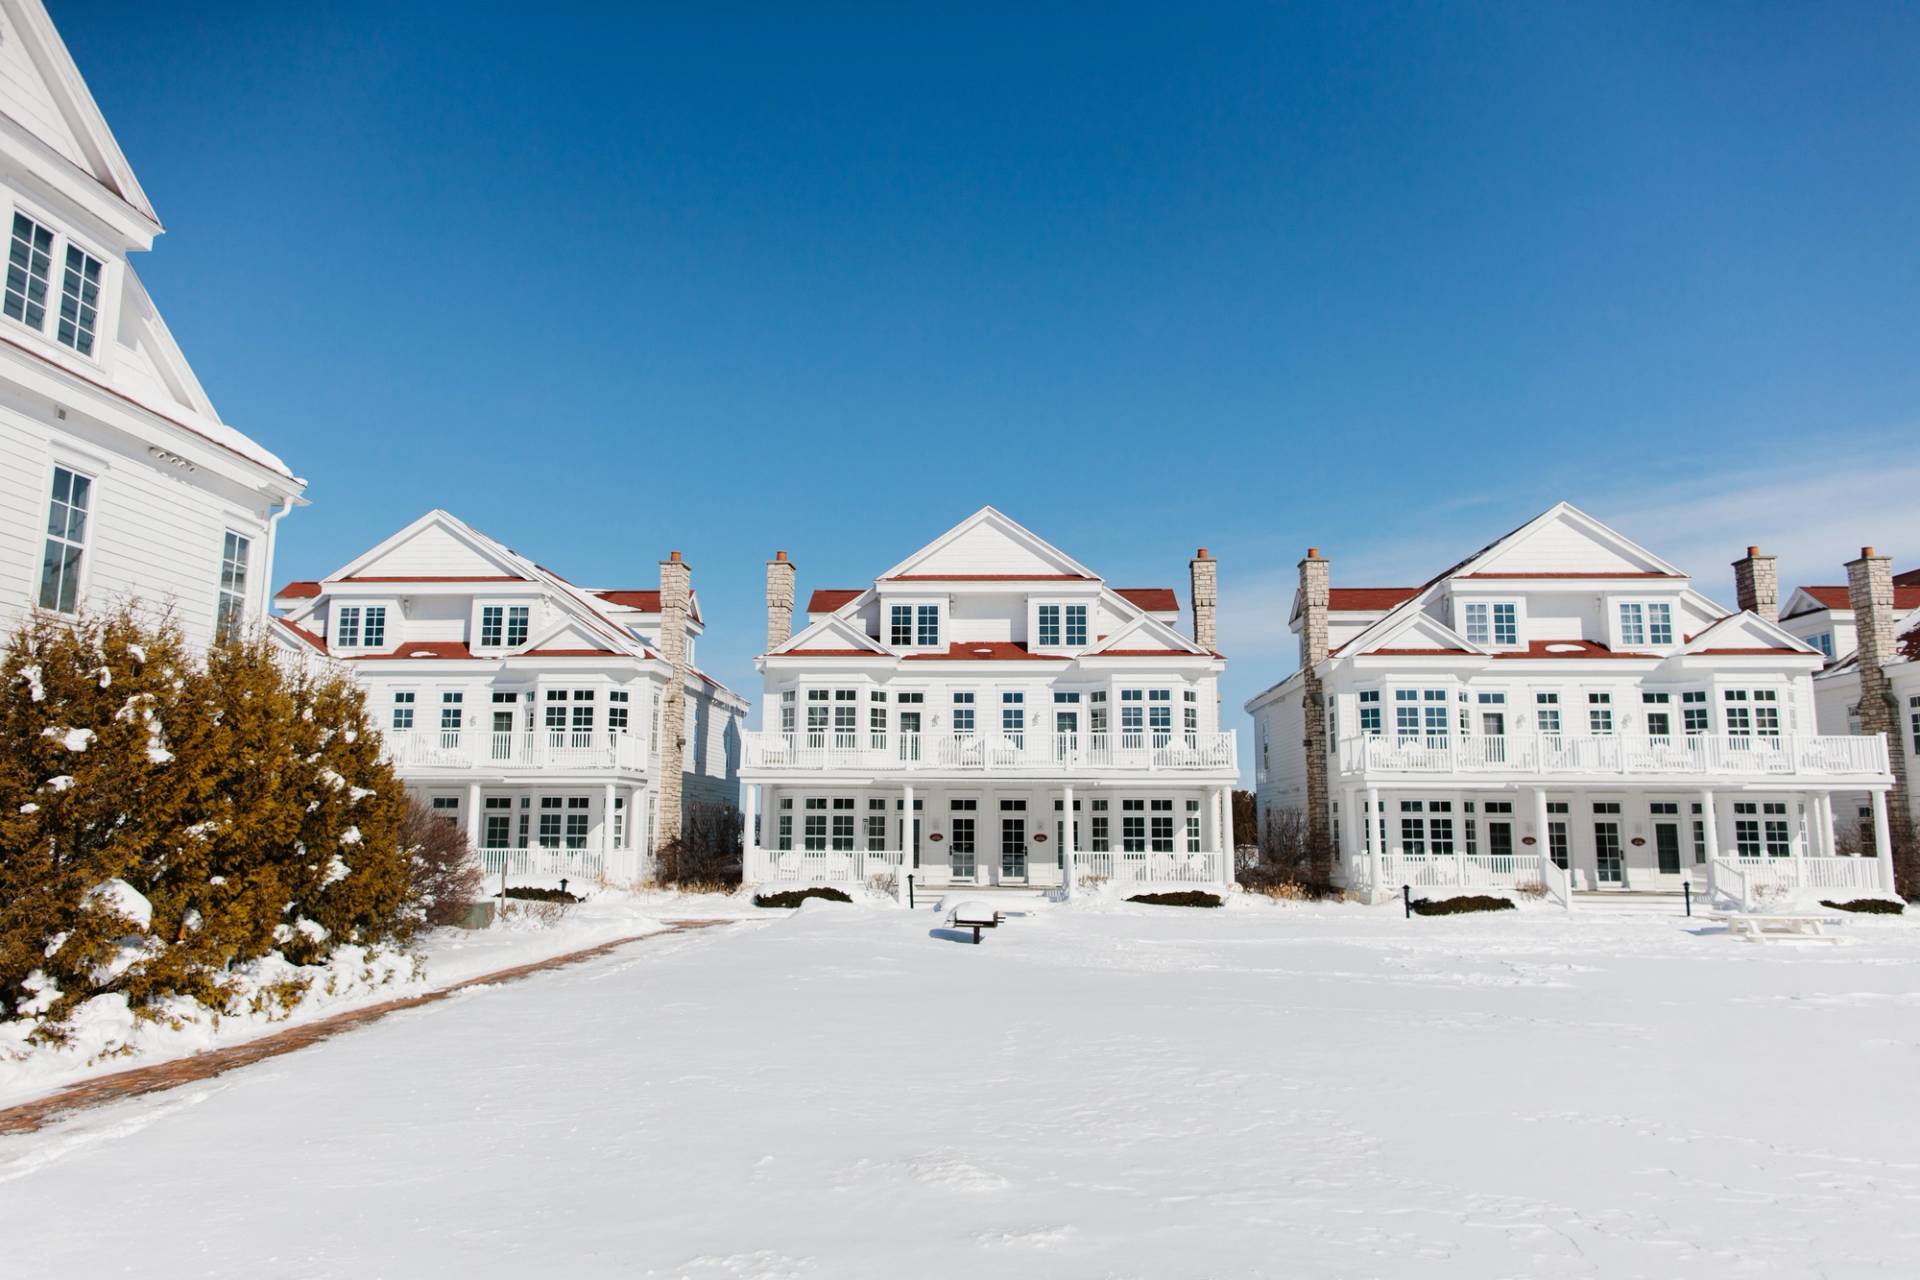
pixel 432 552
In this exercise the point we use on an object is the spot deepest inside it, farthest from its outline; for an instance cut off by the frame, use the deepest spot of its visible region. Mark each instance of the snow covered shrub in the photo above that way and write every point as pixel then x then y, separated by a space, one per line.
pixel 794 897
pixel 707 854
pixel 1183 898
pixel 446 876
pixel 1868 906
pixel 528 893
pixel 1461 905
pixel 164 821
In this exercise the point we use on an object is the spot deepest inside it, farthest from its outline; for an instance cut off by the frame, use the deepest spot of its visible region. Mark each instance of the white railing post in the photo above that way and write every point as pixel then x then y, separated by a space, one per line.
pixel 1067 843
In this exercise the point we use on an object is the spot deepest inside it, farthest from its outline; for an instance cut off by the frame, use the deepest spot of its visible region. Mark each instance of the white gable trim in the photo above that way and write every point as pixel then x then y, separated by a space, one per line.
pixel 1735 627
pixel 1423 627
pixel 1149 627
pixel 834 628
pixel 1005 524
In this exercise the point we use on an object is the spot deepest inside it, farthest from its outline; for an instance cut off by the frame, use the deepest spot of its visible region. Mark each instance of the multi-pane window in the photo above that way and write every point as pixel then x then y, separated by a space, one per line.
pixel 29 266
pixel 1766 713
pixel 813 827
pixel 1062 624
pixel 1557 833
pixel 452 712
pixel 1190 716
pixel 1600 713
pixel 232 608
pixel 620 822
pixel 1506 624
pixel 1413 828
pixel 1193 826
pixel 583 710
pixel 843 815
pixel 786 712
pixel 617 706
pixel 361 628
pixel 556 716
pixel 1546 712
pixel 1013 713
pixel 79 301
pixel 1049 625
pixel 1659 717
pixel 1406 712
pixel 818 710
pixel 577 815
pixel 1370 712
pixel 1699 837
pixel 1133 826
pixel 1659 624
pixel 1161 815
pixel 876 824
pixel 1693 711
pixel 1633 624
pixel 926 625
pixel 375 633
pixel 1160 714
pixel 493 625
pixel 1097 711
pixel 783 828
pixel 1440 828
pixel 846 713
pixel 1761 828
pixel 447 808
pixel 1493 623
pixel 551 814
pixel 1479 624
pixel 403 709
pixel 1133 712
pixel 1739 713
pixel 963 712
pixel 1824 643
pixel 965 837
pixel 900 624
pixel 1076 624
pixel 1913 722
pixel 347 630
pixel 66 540
pixel 877 714
pixel 1100 833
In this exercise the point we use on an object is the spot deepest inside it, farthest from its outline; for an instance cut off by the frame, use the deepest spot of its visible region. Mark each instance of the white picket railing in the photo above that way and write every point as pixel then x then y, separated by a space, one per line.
pixel 582 866
pixel 824 750
pixel 1748 880
pixel 1491 871
pixel 858 866
pixel 1836 755
pixel 527 749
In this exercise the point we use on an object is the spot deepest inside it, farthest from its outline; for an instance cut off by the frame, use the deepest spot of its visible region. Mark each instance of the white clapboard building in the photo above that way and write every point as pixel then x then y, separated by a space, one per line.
pixel 567 729
pixel 118 480
pixel 989 712
pixel 1561 708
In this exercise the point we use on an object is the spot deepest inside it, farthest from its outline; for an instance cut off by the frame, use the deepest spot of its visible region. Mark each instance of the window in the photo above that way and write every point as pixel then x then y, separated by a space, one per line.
pixel 1824 643
pixel 1440 828
pixel 1633 624
pixel 361 628
pixel 1506 624
pixel 1190 719
pixel 1160 715
pixel 846 714
pixel 926 625
pixel 79 301
pixel 1659 624
pixel 493 625
pixel 577 822
pixel 1370 712
pixel 900 624
pixel 1100 836
pixel 1162 819
pixel 1659 718
pixel 1133 713
pixel 1913 722
pixel 1413 829
pixel 1097 711
pixel 1600 713
pixel 403 709
pixel 963 712
pixel 376 626
pixel 1193 826
pixel 1546 712
pixel 620 822
pixel 447 808
pixel 29 266
pixel 451 711
pixel 1739 713
pixel 556 709
pixel 583 711
pixel 347 633
pixel 1013 714
pixel 66 540
pixel 1435 703
pixel 1762 829
pixel 1495 623
pixel 1693 711
pixel 1076 624
pixel 516 625
pixel 232 608
pixel 961 859
pixel 617 710
pixel 783 839
pixel 786 712
pixel 813 833
pixel 1049 625
pixel 1133 826
pixel 1557 833
pixel 550 817
pixel 876 824
pixel 843 813
pixel 1479 624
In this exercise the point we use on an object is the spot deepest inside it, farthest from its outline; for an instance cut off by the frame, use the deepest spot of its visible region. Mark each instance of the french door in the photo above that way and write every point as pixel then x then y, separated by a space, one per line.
pixel 1013 848
pixel 1666 844
pixel 1606 853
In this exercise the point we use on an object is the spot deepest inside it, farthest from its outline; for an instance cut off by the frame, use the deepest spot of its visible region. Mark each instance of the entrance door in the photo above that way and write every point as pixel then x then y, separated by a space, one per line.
pixel 1499 839
pixel 960 858
pixel 1013 843
pixel 1666 843
pixel 1606 852
pixel 909 723
pixel 502 740
pixel 498 833
pixel 1066 735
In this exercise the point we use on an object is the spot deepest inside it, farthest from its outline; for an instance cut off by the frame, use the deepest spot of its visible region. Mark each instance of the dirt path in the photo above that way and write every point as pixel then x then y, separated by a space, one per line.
pixel 97 1092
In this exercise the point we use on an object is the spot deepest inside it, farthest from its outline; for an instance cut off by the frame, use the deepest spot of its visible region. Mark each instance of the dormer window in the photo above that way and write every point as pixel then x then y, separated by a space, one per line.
pixel 1646 622
pixel 503 625
pixel 360 627
pixel 30 262
pixel 913 626
pixel 1492 622
pixel 1062 624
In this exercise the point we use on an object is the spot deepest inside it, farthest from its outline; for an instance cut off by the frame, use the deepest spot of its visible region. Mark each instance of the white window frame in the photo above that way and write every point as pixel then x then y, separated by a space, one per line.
pixel 1646 605
pixel 391 610
pixel 1463 610
pixel 913 605
pixel 83 574
pixel 1065 640
pixel 223 628
pixel 105 311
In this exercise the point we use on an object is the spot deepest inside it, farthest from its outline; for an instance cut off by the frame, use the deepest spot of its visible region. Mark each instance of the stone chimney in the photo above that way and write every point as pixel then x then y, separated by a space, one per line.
pixel 1205 573
pixel 676 595
pixel 1756 584
pixel 1870 596
pixel 1315 580
pixel 780 576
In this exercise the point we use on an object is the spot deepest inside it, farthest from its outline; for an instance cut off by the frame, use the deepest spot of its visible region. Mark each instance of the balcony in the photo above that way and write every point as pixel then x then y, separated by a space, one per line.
pixel 981 753
pixel 472 749
pixel 1824 758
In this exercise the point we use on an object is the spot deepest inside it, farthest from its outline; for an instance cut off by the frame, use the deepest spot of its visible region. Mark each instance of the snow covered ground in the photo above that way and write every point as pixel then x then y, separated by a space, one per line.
pixel 107 1038
pixel 1128 1092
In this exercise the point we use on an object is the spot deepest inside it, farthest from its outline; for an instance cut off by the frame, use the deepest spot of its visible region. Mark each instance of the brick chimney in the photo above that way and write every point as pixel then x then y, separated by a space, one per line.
pixel 1205 572
pixel 1870 596
pixel 780 576
pixel 1756 584
pixel 676 594
pixel 1315 580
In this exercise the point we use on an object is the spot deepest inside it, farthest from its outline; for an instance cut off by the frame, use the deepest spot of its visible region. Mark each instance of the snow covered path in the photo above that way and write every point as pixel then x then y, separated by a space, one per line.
pixel 1315 1092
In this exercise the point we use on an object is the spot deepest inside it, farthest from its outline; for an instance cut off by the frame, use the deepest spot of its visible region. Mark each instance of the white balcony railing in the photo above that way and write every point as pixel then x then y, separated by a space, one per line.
pixel 526 749
pixel 1589 754
pixel 821 866
pixel 825 750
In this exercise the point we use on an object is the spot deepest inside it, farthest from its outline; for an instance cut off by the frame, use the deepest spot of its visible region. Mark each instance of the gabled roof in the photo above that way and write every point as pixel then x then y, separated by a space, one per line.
pixel 986 651
pixel 1905 598
pixel 646 600
pixel 988 546
pixel 1748 633
pixel 1406 634
pixel 1152 599
pixel 830 599
pixel 1145 636
pixel 1366 599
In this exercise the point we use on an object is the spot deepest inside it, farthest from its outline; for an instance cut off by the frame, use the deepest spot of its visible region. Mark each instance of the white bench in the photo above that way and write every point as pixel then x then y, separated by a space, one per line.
pixel 1767 928
pixel 975 916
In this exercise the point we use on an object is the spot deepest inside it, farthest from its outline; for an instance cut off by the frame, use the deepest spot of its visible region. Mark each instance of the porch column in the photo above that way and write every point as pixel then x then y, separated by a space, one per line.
pixel 1228 849
pixel 749 830
pixel 1540 836
pixel 1067 841
pixel 906 834
pixel 1828 848
pixel 1882 840
pixel 606 831
pixel 1372 819
pixel 473 814
pixel 1713 824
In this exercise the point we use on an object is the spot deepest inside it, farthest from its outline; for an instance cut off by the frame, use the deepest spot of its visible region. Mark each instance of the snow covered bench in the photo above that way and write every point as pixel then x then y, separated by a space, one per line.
pixel 975 916
pixel 1766 928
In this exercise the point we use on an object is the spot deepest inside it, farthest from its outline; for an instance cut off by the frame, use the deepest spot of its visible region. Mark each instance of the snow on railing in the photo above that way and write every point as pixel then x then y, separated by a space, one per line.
pixel 531 749
pixel 1850 755
pixel 851 749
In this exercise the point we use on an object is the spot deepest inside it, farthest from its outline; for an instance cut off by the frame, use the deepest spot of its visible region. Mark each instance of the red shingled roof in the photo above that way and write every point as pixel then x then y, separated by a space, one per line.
pixel 1585 649
pixel 420 649
pixel 567 653
pixel 827 599
pixel 644 601
pixel 1367 599
pixel 310 637
pixel 1623 573
pixel 1904 596
pixel 986 651
pixel 1152 599
pixel 301 590
pixel 831 653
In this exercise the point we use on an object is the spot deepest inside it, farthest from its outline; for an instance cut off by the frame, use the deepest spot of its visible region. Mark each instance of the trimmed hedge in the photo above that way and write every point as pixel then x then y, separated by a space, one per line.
pixel 1460 906
pixel 1868 906
pixel 1184 898
pixel 531 894
pixel 794 897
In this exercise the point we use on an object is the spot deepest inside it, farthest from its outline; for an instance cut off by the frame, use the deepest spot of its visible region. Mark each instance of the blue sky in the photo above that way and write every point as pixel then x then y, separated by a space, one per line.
pixel 611 280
